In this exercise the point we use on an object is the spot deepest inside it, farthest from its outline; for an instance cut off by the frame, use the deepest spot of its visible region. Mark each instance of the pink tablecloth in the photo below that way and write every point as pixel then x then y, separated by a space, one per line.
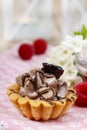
pixel 10 119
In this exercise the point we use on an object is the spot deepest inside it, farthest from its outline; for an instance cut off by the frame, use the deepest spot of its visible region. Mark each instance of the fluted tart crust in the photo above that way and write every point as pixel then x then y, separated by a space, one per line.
pixel 40 109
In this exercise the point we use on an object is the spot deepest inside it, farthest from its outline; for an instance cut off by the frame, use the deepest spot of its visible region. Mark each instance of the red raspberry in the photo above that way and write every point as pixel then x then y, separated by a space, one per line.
pixel 26 51
pixel 81 90
pixel 40 46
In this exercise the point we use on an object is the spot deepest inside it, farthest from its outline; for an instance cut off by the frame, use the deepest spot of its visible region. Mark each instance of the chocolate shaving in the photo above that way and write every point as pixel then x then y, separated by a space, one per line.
pixel 52 69
pixel 24 76
pixel 43 90
pixel 48 95
pixel 19 80
pixel 32 95
pixel 43 84
pixel 62 91
pixel 39 82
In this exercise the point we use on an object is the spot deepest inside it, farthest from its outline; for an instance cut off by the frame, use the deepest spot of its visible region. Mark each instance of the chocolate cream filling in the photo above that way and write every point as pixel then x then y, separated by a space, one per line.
pixel 37 84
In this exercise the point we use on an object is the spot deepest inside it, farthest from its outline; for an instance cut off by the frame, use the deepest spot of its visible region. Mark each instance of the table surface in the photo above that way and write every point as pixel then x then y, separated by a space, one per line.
pixel 10 119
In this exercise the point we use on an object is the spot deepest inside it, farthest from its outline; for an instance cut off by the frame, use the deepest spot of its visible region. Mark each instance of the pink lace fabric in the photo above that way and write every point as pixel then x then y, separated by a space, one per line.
pixel 10 119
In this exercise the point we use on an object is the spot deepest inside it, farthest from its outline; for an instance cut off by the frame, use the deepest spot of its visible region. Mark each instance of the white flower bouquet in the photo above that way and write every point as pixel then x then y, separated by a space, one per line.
pixel 64 55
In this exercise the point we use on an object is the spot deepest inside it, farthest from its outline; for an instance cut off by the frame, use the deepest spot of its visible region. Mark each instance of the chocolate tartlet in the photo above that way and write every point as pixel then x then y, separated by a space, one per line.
pixel 40 94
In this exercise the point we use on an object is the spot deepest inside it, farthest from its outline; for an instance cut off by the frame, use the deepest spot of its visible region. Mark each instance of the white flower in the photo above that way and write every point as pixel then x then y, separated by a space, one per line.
pixel 64 55
pixel 76 43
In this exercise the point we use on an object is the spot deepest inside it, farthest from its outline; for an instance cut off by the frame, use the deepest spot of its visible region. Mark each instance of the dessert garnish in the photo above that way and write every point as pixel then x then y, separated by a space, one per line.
pixel 43 84
pixel 64 55
pixel 81 90
pixel 82 32
pixel 56 70
pixel 40 46
pixel 26 51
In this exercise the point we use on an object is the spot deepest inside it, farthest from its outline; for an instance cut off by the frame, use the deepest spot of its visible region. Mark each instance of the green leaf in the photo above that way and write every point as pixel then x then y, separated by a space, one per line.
pixel 83 32
pixel 77 33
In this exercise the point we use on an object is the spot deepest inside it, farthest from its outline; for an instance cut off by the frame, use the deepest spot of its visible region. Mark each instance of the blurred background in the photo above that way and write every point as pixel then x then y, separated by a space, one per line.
pixel 26 20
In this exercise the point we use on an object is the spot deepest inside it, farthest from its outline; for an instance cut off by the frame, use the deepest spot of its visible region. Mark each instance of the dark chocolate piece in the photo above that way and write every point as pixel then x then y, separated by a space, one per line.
pixel 53 69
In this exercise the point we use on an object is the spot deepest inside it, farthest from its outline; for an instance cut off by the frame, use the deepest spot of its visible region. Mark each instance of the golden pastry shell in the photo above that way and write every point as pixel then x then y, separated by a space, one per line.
pixel 40 109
